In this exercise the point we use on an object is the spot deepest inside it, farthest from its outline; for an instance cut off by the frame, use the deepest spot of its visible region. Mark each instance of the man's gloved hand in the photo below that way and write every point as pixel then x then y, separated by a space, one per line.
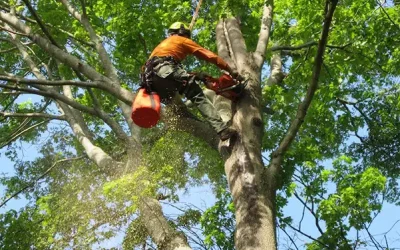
pixel 235 74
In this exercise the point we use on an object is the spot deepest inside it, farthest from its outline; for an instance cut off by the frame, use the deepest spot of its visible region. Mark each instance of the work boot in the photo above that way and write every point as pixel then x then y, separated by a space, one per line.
pixel 227 133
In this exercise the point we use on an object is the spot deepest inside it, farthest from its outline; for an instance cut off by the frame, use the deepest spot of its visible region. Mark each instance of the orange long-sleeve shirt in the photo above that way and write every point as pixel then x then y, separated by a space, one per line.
pixel 179 47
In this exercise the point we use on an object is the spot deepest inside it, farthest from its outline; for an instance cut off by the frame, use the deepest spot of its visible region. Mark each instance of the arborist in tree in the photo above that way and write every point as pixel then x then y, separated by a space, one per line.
pixel 165 75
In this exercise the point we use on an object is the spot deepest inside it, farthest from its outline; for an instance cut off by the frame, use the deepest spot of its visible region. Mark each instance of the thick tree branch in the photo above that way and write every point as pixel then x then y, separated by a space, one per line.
pixel 237 43
pixel 11 93
pixel 92 84
pixel 36 71
pixel 67 98
pixel 99 113
pixel 96 154
pixel 70 35
pixel 61 55
pixel 32 115
pixel 12 31
pixel 108 120
pixel 276 77
pixel 223 45
pixel 106 62
pixel 76 118
pixel 33 183
pixel 189 123
pixel 54 95
pixel 277 155
pixel 87 84
pixel 104 58
pixel 266 22
pixel 45 31
pixel 161 232
pixel 25 55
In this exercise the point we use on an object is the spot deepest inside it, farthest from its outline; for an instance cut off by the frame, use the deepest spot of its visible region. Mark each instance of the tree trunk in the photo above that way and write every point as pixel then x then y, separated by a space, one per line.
pixel 253 186
pixel 161 232
pixel 253 197
pixel 254 206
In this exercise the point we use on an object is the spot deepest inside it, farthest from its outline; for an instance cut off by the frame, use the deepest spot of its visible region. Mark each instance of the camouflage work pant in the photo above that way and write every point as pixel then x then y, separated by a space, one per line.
pixel 171 78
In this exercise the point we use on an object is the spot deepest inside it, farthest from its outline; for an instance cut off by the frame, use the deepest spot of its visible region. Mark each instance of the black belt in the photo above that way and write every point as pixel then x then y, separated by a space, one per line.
pixel 155 60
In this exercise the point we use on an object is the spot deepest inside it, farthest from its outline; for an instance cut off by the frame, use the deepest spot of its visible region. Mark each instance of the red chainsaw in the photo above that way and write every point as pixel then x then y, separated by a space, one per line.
pixel 225 85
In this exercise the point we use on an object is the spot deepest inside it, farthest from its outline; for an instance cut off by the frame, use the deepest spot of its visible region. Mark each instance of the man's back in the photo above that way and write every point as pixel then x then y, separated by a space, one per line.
pixel 176 46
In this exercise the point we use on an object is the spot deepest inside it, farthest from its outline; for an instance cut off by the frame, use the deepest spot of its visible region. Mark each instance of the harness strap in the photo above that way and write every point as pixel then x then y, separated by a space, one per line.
pixel 148 70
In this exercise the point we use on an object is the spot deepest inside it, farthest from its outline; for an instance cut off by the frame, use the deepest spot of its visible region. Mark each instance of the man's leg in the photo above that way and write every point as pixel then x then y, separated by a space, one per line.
pixel 195 94
pixel 207 109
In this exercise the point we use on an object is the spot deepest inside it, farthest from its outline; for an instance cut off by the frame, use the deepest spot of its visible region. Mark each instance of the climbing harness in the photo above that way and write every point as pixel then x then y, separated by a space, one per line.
pixel 154 63
pixel 146 107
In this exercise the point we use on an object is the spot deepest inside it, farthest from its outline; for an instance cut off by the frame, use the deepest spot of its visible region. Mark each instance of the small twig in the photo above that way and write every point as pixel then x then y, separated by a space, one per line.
pixel 356 241
pixel 390 228
pixel 387 244
pixel 308 236
pixel 310 210
pixel 290 238
pixel 377 245
pixel 13 32
pixel 390 19
pixel 22 132
pixel 351 120
pixel 285 47
pixel 307 45
pixel 303 212
pixel 143 41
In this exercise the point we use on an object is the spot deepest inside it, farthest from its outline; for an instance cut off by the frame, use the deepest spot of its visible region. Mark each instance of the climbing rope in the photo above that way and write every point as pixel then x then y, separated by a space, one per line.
pixel 196 13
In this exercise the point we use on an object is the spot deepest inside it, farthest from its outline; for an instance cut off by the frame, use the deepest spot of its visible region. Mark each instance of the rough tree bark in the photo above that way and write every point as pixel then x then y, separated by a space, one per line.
pixel 255 228
pixel 253 186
